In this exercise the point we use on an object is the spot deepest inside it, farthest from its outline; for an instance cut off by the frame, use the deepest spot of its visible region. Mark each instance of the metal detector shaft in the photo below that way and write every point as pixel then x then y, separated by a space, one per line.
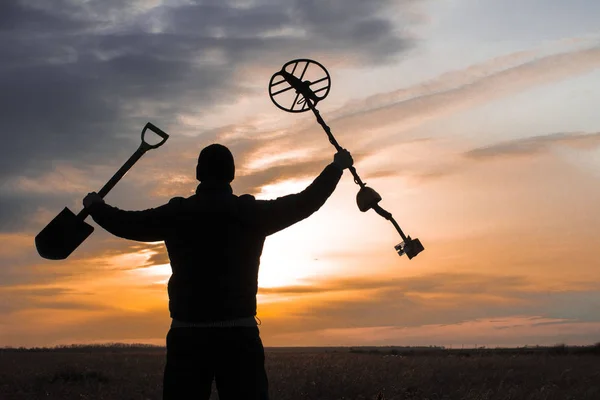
pixel 334 142
pixel 388 215
pixel 378 209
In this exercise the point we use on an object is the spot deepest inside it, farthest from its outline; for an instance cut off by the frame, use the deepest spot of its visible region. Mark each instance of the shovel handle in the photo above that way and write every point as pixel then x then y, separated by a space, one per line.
pixel 144 147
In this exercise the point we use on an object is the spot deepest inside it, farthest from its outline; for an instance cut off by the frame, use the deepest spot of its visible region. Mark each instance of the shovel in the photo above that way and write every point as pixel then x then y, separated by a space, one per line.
pixel 67 231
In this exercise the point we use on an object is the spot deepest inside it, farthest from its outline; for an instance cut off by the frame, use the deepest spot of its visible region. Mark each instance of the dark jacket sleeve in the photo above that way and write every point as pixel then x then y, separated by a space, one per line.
pixel 150 225
pixel 278 214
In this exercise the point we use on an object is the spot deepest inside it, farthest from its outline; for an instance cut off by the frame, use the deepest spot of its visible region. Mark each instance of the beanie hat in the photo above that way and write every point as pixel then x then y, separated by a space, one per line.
pixel 215 162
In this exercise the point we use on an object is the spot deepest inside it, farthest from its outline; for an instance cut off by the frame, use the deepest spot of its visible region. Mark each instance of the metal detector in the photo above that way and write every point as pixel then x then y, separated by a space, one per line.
pixel 311 83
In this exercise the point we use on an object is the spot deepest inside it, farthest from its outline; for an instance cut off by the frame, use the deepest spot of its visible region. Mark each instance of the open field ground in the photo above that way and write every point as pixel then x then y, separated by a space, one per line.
pixel 135 373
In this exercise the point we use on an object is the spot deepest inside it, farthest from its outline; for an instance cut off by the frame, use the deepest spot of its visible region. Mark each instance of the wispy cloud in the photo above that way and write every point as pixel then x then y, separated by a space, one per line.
pixel 451 92
pixel 74 326
pixel 442 298
pixel 474 86
pixel 510 331
pixel 16 299
pixel 535 145
pixel 438 283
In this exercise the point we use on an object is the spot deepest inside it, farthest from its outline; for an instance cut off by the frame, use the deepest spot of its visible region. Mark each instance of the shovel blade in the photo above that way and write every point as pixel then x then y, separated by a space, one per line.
pixel 62 236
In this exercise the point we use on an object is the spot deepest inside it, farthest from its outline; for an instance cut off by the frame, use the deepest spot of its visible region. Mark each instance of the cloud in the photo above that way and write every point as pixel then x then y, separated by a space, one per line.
pixel 43 298
pixel 89 326
pixel 535 145
pixel 64 179
pixel 420 301
pixel 125 255
pixel 14 244
pixel 159 256
pixel 474 86
pixel 76 77
pixel 413 310
pixel 446 283
pixel 509 331
pixel 100 256
pixel 451 92
pixel 509 150
pixel 440 84
pixel 253 180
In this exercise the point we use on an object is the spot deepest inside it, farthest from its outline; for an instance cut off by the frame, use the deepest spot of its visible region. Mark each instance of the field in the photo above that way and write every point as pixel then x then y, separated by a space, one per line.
pixel 126 372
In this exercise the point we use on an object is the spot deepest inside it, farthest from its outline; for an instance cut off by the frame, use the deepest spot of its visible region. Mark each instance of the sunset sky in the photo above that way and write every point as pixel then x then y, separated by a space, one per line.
pixel 476 120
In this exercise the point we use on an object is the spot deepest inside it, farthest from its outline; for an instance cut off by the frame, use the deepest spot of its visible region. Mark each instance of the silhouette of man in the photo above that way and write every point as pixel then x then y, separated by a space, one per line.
pixel 214 240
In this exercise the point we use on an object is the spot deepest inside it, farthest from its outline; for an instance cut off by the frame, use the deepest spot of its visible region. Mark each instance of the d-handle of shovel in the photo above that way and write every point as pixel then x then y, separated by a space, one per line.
pixel 156 130
pixel 144 147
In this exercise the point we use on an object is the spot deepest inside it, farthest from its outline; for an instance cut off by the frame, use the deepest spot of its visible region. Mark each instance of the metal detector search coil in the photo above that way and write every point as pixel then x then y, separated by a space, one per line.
pixel 298 87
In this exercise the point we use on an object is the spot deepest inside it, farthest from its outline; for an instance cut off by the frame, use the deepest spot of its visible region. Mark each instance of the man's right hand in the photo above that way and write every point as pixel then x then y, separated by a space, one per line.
pixel 91 199
pixel 343 159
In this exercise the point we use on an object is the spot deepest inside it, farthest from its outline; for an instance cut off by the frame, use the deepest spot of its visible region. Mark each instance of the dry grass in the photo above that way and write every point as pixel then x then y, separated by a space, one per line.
pixel 137 374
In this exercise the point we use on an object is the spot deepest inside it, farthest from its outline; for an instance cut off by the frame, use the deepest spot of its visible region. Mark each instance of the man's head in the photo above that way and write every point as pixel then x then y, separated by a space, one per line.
pixel 215 163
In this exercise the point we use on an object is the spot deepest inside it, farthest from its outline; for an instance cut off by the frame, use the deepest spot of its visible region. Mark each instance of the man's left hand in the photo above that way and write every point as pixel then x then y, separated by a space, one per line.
pixel 91 199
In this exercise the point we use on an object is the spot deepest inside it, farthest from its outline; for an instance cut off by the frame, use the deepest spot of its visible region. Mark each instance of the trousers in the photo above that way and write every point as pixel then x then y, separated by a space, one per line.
pixel 234 357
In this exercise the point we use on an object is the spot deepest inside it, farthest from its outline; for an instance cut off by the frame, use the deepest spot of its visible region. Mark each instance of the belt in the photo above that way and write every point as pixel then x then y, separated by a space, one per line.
pixel 230 323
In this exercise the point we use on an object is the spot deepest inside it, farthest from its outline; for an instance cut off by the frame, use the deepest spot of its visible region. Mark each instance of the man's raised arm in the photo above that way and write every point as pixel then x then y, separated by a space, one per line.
pixel 150 225
pixel 284 211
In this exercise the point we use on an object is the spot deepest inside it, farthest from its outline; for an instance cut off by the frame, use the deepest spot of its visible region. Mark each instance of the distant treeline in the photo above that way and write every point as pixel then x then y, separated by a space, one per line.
pixel 90 348
pixel 558 349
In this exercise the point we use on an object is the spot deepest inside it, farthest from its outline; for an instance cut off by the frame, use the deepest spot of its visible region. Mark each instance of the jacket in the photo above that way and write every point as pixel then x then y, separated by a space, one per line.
pixel 214 240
